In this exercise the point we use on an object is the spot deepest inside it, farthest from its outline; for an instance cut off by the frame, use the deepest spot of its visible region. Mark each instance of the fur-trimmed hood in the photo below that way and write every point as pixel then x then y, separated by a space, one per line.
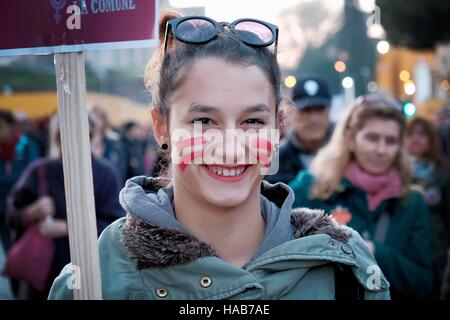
pixel 154 238
pixel 152 246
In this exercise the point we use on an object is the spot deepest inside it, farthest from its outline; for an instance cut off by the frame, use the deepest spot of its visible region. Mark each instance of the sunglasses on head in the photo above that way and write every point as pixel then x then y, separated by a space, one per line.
pixel 200 30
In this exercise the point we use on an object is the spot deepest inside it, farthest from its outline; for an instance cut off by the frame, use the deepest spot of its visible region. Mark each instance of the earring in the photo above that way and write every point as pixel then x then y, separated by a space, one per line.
pixel 164 146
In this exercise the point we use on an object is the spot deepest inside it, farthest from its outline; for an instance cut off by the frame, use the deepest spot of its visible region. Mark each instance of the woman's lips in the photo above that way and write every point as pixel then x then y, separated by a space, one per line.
pixel 227 173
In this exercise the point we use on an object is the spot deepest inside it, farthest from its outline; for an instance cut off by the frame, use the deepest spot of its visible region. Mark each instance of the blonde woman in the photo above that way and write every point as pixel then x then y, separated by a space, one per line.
pixel 362 177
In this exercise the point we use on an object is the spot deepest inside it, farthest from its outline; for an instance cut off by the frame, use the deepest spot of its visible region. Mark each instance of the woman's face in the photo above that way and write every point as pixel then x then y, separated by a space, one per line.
pixel 221 96
pixel 417 142
pixel 376 145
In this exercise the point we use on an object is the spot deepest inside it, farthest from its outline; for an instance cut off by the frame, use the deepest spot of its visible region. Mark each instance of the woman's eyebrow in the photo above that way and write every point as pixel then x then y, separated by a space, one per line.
pixel 261 107
pixel 195 107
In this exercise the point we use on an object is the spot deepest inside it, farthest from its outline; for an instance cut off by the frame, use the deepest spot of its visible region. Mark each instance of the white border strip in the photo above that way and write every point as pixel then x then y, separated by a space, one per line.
pixel 157 17
pixel 83 47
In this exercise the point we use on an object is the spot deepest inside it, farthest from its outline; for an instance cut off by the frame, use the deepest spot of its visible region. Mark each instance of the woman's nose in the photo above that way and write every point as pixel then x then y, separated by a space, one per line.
pixel 235 147
pixel 381 147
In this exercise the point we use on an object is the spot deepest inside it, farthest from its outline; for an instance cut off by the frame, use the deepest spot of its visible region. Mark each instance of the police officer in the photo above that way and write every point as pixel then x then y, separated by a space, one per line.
pixel 311 127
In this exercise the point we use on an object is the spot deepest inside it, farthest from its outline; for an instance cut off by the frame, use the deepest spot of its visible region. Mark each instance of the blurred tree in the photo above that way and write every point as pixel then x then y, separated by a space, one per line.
pixel 33 73
pixel 417 24
pixel 37 73
pixel 349 44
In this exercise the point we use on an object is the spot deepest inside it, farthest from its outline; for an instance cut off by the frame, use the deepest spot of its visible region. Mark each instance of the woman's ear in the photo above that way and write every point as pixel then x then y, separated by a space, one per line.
pixel 350 139
pixel 280 120
pixel 159 125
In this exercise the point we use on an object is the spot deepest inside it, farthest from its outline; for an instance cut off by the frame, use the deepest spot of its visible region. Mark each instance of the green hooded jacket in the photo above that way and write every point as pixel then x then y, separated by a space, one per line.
pixel 149 256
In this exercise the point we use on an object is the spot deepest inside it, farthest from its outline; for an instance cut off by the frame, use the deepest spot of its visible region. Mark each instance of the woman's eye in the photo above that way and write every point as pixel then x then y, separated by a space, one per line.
pixel 372 137
pixel 203 121
pixel 254 121
pixel 391 141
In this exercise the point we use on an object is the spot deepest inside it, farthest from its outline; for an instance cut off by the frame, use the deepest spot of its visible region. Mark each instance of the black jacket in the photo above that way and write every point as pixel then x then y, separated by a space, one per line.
pixel 289 160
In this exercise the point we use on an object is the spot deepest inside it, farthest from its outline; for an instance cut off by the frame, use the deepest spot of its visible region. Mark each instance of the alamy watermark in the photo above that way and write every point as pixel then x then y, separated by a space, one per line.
pixel 73 281
pixel 374 280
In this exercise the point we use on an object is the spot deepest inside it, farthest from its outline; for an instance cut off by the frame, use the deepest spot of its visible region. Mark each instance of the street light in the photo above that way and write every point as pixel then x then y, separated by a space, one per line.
pixel 409 109
pixel 290 81
pixel 372 86
pixel 340 66
pixel 404 75
pixel 409 87
pixel 349 90
pixel 347 82
pixel 383 47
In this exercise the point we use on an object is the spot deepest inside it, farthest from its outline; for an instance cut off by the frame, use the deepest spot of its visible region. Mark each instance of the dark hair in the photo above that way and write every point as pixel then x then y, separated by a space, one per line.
pixel 127 126
pixel 434 152
pixel 7 116
pixel 165 72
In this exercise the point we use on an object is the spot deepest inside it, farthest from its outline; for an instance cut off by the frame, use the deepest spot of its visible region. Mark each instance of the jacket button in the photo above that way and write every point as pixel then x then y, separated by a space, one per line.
pixel 161 292
pixel 332 244
pixel 205 281
pixel 347 249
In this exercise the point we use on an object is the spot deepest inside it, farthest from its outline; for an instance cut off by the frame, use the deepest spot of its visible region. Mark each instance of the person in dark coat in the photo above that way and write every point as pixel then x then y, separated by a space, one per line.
pixel 445 291
pixel 106 143
pixel 31 207
pixel 17 151
pixel 309 117
pixel 432 174
pixel 135 147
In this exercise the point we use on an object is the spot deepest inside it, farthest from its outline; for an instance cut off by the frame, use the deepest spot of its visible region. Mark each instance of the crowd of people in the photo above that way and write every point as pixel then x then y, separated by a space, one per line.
pixel 32 185
pixel 370 192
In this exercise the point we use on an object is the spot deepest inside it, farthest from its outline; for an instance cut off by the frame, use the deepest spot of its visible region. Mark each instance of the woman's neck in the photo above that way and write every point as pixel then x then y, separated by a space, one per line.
pixel 234 233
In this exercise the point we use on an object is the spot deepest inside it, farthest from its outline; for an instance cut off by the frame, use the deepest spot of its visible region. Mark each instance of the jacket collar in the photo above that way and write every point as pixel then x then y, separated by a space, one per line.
pixel 154 246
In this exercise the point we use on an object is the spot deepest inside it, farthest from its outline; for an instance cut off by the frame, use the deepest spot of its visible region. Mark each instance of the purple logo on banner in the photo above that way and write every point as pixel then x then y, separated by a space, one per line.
pixel 51 29
pixel 58 5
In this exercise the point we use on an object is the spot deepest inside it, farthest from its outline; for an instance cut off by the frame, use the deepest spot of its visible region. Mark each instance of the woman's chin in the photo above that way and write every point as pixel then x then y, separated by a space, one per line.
pixel 220 188
pixel 229 200
pixel 229 191
pixel 376 171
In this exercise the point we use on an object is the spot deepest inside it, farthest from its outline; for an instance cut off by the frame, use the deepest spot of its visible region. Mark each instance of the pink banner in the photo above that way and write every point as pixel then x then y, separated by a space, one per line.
pixel 55 26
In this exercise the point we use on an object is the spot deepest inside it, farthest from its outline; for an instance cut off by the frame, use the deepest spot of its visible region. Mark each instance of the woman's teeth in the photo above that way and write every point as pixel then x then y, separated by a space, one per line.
pixel 226 172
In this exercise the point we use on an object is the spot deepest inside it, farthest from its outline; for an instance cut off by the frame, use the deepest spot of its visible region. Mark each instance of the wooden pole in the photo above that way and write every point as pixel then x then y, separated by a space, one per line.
pixel 76 156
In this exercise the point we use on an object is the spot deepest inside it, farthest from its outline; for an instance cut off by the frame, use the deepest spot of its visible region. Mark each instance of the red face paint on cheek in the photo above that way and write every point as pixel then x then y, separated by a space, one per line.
pixel 190 143
pixel 263 149
pixel 188 154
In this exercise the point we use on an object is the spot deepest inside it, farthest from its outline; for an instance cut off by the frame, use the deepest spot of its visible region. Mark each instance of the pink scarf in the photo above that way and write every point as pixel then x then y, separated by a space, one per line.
pixel 378 188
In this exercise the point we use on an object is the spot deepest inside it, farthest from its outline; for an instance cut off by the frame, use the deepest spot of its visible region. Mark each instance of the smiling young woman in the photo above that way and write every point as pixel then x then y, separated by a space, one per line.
pixel 216 230
pixel 366 185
